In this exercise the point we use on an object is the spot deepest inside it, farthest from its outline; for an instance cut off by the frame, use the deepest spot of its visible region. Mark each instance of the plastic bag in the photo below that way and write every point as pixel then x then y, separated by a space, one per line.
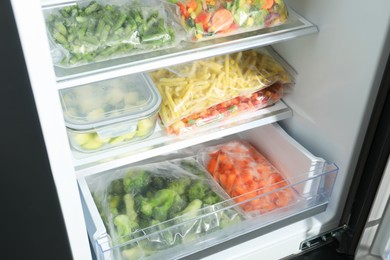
pixel 196 86
pixel 245 174
pixel 260 99
pixel 206 19
pixel 156 206
pixel 89 31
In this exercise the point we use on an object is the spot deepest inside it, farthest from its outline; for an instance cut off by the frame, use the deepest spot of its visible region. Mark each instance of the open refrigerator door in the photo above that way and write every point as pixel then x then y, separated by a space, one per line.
pixel 118 126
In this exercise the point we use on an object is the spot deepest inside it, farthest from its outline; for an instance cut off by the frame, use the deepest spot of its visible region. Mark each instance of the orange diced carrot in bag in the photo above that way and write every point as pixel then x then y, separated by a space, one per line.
pixel 212 165
pixel 284 197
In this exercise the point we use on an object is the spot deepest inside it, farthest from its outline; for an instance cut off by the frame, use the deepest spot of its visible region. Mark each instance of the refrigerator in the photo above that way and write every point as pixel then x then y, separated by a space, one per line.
pixel 338 110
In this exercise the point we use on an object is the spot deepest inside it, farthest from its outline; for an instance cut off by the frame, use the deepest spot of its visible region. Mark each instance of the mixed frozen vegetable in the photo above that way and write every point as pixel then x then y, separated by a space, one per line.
pixel 206 18
pixel 92 31
pixel 260 99
pixel 164 202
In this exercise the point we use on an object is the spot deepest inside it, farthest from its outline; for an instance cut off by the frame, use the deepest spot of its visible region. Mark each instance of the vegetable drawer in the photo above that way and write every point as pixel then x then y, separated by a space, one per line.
pixel 171 207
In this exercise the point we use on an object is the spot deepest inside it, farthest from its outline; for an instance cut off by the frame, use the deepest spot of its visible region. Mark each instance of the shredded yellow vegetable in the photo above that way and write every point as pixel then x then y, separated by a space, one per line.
pixel 196 86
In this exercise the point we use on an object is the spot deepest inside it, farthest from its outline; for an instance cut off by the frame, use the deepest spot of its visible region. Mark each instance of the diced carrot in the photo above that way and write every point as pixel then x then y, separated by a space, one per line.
pixel 212 165
pixel 252 186
pixel 275 178
pixel 191 4
pixel 239 190
pixel 266 204
pixel 246 177
pixel 268 4
pixel 284 197
pixel 230 181
pixel 222 180
pixel 221 20
pixel 203 18
pixel 183 10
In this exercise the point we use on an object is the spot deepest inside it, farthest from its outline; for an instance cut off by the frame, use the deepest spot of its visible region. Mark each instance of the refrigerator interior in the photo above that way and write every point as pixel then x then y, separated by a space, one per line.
pixel 339 70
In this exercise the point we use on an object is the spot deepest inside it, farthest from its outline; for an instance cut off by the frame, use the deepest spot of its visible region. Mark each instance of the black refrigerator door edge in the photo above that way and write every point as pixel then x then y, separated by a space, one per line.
pixel 31 218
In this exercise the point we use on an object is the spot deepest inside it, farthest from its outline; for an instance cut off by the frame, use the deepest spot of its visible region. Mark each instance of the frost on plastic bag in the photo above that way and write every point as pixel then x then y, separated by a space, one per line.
pixel 206 19
pixel 153 207
pixel 89 31
pixel 248 177
pixel 257 100
pixel 196 86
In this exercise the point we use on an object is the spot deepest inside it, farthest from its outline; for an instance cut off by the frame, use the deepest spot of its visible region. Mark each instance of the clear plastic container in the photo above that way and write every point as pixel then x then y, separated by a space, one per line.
pixel 110 113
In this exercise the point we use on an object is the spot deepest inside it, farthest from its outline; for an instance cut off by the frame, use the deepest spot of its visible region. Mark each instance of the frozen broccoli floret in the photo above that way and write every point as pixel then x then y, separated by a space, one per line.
pixel 116 187
pixel 158 182
pixel 166 197
pixel 114 203
pixel 197 190
pixel 193 206
pixel 211 198
pixel 158 206
pixel 161 212
pixel 178 205
pixel 129 205
pixel 179 185
pixel 143 223
pixel 138 201
pixel 124 225
pixel 126 222
pixel 136 181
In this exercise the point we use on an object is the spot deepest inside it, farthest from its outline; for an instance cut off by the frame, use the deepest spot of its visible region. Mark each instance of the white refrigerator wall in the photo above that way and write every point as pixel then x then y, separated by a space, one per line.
pixel 339 72
pixel 338 77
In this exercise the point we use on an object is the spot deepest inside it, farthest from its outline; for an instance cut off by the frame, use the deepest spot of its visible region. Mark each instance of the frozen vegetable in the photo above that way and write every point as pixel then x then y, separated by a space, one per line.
pixel 246 174
pixel 260 99
pixel 127 222
pixel 136 181
pixel 162 202
pixel 196 86
pixel 203 19
pixel 93 31
pixel 92 141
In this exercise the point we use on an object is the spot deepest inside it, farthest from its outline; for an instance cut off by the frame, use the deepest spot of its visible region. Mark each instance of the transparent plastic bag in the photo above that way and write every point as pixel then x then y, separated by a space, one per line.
pixel 90 31
pixel 154 207
pixel 222 111
pixel 244 173
pixel 196 86
pixel 207 19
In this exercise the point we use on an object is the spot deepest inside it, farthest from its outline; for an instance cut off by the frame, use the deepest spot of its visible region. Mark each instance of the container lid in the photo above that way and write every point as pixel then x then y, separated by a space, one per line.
pixel 107 102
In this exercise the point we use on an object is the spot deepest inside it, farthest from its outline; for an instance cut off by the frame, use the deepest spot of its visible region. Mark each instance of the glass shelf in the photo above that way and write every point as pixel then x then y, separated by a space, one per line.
pixel 160 143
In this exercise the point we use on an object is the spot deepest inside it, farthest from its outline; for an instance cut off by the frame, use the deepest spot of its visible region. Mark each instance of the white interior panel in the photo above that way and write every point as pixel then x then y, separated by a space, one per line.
pixel 339 71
